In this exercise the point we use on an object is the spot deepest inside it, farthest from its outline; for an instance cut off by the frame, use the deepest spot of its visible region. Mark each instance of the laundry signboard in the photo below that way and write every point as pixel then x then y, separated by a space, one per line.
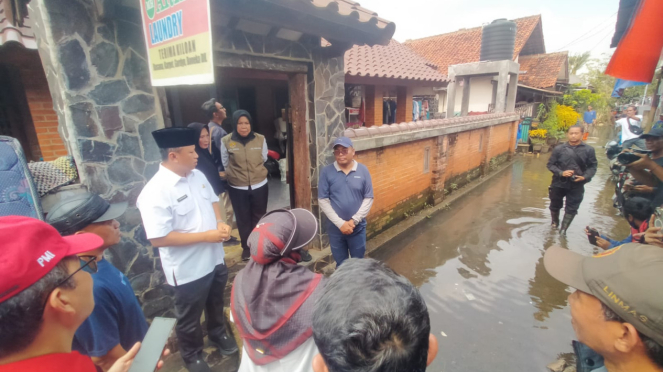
pixel 178 35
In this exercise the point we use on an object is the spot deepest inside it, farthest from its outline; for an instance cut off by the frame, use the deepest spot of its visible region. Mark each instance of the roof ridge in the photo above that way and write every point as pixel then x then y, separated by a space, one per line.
pixel 467 29
pixel 545 54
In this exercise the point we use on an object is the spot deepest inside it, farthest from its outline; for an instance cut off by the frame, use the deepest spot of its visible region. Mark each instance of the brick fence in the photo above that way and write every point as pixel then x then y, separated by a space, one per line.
pixel 422 163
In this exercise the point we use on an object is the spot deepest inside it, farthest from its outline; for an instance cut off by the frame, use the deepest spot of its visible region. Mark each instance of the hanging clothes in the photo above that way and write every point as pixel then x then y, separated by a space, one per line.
pixel 385 112
pixel 392 111
pixel 425 110
pixel 415 110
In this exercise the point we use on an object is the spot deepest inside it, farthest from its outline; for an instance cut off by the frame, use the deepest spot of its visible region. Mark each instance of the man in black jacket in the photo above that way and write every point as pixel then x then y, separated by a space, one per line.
pixel 573 164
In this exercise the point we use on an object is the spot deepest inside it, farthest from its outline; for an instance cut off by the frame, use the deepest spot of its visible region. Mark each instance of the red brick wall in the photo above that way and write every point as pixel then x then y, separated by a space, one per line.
pixel 403 104
pixel 39 100
pixel 400 185
pixel 373 105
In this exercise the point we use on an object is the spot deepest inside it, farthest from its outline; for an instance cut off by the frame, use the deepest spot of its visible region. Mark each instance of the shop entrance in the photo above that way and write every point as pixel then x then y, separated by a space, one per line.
pixel 268 97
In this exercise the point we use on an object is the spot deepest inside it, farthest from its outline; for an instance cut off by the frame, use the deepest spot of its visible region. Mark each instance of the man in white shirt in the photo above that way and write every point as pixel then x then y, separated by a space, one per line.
pixel 181 216
pixel 631 127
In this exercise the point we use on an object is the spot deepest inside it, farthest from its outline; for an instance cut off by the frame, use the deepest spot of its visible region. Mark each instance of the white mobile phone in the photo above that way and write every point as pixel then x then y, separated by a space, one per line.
pixel 153 344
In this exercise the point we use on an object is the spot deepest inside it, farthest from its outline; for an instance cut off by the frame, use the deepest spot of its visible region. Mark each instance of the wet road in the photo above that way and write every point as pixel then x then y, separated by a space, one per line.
pixel 479 265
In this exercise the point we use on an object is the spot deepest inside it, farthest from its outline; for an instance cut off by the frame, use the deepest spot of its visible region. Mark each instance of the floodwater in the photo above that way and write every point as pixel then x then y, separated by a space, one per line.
pixel 479 265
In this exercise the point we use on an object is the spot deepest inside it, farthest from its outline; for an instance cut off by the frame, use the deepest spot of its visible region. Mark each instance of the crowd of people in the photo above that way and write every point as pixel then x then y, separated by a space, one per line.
pixel 55 316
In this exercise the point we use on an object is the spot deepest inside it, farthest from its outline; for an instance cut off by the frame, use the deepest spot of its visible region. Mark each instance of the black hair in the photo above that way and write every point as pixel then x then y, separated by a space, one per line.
pixel 164 152
pixel 653 349
pixel 638 207
pixel 210 108
pixel 582 129
pixel 21 316
pixel 371 319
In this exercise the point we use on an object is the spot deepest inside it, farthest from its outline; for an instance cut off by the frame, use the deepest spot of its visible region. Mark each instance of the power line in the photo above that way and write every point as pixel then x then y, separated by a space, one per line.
pixel 602 23
pixel 604 29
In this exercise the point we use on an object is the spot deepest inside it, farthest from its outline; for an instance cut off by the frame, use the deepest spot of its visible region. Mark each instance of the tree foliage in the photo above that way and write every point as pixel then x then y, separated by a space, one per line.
pixel 577 61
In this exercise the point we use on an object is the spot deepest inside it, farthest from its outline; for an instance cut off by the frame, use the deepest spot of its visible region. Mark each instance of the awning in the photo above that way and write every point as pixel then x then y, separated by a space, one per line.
pixel 544 91
pixel 639 49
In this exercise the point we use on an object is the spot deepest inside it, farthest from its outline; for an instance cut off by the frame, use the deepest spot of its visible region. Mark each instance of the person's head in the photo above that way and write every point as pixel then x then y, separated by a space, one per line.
pixel 369 318
pixel 637 210
pixel 616 307
pixel 281 232
pixel 88 213
pixel 178 148
pixel 214 110
pixel 242 123
pixel 202 133
pixel 631 111
pixel 589 108
pixel 45 290
pixel 574 133
pixel 654 140
pixel 344 153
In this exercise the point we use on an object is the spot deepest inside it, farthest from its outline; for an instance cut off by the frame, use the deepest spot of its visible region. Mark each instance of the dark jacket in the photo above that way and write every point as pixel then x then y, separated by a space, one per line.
pixel 562 159
pixel 206 162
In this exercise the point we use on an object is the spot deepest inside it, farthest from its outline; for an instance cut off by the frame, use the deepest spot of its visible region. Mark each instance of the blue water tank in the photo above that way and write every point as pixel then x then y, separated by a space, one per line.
pixel 498 40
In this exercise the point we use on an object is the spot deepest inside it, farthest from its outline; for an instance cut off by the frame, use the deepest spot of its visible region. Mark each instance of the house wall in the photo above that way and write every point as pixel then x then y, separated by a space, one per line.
pixel 481 94
pixel 44 119
pixel 401 184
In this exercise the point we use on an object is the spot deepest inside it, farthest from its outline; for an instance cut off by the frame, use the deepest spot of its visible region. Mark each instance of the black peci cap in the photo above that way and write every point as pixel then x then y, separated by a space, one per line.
pixel 175 137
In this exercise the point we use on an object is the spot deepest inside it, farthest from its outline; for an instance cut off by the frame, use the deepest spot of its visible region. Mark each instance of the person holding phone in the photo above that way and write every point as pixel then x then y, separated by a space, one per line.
pixel 181 216
pixel 637 211
pixel 573 164
pixel 631 127
pixel 45 295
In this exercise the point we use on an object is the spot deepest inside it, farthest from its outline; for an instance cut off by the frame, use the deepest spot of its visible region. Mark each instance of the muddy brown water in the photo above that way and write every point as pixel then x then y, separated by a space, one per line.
pixel 479 265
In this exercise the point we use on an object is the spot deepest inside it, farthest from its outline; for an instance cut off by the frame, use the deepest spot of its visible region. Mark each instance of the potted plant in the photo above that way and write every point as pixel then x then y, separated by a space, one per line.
pixel 538 139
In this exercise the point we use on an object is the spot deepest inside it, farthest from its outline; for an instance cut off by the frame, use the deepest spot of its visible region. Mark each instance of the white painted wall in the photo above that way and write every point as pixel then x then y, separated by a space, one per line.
pixel 481 94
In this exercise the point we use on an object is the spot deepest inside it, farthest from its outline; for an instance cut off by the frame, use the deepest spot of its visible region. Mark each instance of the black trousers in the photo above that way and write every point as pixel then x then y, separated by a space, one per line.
pixel 250 206
pixel 573 197
pixel 191 299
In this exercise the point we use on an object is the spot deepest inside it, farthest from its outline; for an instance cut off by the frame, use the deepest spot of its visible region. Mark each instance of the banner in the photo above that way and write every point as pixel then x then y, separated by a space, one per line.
pixel 178 35
pixel 620 85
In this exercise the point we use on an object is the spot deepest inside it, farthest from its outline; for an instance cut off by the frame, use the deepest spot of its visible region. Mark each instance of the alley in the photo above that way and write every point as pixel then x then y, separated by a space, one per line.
pixel 480 268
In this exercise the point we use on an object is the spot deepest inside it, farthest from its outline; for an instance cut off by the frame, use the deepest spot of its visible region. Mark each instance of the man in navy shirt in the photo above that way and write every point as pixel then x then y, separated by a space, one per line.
pixel 117 321
pixel 589 117
pixel 345 195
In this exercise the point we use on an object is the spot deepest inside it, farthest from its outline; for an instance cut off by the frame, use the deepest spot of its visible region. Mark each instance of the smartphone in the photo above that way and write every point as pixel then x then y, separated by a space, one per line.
pixel 626 158
pixel 153 344
pixel 658 219
pixel 593 234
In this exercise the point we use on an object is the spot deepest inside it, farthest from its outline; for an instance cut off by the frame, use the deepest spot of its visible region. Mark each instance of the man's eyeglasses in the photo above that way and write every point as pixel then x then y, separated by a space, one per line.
pixel 341 152
pixel 88 264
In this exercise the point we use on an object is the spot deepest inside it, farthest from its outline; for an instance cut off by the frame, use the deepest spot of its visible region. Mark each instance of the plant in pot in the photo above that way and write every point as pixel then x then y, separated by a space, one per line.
pixel 538 139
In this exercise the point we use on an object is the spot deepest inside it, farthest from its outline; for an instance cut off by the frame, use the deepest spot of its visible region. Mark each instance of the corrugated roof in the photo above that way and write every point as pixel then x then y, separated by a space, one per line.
pixel 11 33
pixel 464 46
pixel 541 70
pixel 391 61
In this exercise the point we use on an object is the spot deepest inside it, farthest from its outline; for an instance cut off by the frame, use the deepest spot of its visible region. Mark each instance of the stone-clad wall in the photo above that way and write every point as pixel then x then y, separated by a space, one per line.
pixel 94 56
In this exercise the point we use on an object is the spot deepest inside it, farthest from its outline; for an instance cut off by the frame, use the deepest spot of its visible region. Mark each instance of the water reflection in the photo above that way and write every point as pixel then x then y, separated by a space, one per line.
pixel 480 267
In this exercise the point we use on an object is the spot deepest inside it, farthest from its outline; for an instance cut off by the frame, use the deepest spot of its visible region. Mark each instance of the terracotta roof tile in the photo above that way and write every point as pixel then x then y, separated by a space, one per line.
pixel 541 70
pixel 464 46
pixel 352 9
pixel 391 61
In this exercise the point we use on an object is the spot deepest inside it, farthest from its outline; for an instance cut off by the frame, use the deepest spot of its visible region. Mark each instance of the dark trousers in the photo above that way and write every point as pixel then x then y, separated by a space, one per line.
pixel 573 197
pixel 250 206
pixel 191 299
pixel 346 246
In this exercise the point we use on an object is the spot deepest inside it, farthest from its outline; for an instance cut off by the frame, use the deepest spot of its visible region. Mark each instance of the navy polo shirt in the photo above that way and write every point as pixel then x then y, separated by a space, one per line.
pixel 345 192
pixel 117 317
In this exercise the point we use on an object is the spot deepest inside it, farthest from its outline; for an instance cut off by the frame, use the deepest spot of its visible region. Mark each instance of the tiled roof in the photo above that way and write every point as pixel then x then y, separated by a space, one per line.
pixel 9 32
pixel 391 61
pixel 464 46
pixel 541 70
pixel 353 9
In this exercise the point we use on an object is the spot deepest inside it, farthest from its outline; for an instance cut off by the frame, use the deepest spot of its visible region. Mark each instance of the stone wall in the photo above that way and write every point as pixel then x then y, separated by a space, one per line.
pixel 95 61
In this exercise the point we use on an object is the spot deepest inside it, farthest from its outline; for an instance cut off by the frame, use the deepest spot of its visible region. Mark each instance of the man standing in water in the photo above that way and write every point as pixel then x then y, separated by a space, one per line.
pixel 572 164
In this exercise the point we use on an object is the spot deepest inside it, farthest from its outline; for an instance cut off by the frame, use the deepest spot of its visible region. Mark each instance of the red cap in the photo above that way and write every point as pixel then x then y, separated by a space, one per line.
pixel 31 248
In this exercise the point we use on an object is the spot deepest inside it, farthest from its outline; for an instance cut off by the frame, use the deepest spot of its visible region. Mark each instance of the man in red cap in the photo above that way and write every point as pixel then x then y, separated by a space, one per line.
pixel 617 306
pixel 45 294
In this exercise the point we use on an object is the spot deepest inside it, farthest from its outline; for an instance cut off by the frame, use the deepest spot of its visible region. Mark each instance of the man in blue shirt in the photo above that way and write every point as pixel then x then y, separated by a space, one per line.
pixel 117 321
pixel 345 196
pixel 589 117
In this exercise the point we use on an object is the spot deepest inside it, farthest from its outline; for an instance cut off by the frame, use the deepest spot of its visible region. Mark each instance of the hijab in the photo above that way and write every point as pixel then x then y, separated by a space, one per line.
pixel 206 162
pixel 273 298
pixel 235 135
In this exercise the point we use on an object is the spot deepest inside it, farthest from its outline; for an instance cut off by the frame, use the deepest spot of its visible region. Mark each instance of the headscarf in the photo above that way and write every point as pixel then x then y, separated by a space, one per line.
pixel 273 297
pixel 235 136
pixel 206 162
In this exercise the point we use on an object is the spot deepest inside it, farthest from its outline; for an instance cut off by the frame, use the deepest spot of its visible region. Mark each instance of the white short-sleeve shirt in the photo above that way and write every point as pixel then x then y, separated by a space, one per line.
pixel 183 204
pixel 626 131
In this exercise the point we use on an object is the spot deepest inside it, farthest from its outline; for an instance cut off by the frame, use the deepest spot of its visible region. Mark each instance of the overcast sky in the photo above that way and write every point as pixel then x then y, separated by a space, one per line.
pixel 588 25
